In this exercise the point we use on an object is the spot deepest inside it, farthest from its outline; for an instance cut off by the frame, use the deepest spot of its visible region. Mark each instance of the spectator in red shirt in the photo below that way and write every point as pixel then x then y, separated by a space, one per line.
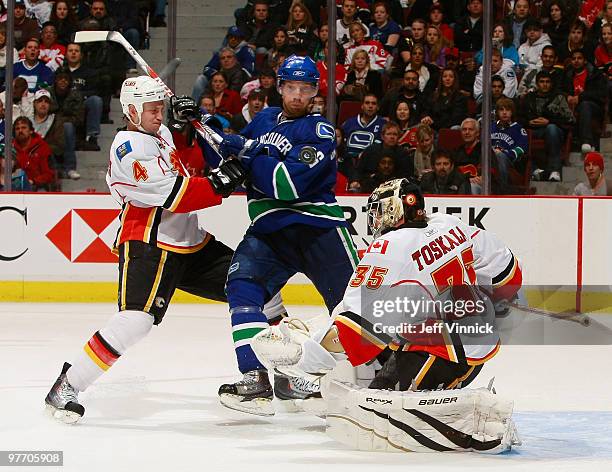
pixel 51 52
pixel 227 101
pixel 33 155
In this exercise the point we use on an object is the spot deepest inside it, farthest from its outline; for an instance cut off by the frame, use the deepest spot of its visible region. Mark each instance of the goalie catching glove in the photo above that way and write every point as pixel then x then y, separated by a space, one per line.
pixel 229 175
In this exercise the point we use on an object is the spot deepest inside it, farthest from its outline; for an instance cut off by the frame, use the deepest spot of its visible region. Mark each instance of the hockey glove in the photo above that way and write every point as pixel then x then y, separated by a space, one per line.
pixel 225 178
pixel 239 146
pixel 185 109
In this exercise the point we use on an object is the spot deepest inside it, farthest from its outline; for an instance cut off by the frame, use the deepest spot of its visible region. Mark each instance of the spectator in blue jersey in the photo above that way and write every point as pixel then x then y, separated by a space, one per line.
pixel 34 71
pixel 296 222
pixel 508 138
pixel 384 29
pixel 364 129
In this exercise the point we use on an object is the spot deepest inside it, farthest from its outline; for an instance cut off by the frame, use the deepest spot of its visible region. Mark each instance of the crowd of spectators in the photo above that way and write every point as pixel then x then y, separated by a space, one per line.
pixel 409 84
pixel 62 90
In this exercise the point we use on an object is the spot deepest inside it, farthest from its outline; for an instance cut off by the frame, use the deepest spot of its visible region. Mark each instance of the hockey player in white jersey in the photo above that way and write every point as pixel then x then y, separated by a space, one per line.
pixel 160 244
pixel 425 288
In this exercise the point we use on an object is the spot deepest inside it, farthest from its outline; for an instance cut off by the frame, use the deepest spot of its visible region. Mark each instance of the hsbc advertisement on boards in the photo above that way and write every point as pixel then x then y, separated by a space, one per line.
pixel 68 237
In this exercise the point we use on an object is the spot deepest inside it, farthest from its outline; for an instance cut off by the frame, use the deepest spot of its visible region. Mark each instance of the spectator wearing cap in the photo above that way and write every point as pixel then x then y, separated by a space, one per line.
pixel 549 64
pixel 23 100
pixel 445 178
pixel 259 29
pixel 502 67
pixel 468 30
pixel 546 113
pixel 502 40
pixel 51 53
pixel 25 28
pixel 32 155
pixel 516 22
pixel 436 18
pixel 255 103
pixel 384 29
pixel 530 51
pixel 586 89
pixel 85 81
pixel 597 184
pixel 33 70
pixel 50 127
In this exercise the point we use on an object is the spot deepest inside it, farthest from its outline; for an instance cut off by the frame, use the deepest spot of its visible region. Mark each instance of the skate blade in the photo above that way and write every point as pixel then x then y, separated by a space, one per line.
pixel 64 416
pixel 313 406
pixel 258 406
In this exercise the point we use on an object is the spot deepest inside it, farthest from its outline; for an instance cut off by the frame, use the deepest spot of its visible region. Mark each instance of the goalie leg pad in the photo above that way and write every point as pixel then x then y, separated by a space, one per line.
pixel 469 420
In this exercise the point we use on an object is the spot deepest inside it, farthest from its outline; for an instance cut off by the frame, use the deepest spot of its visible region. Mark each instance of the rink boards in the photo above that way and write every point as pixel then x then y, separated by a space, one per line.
pixel 56 247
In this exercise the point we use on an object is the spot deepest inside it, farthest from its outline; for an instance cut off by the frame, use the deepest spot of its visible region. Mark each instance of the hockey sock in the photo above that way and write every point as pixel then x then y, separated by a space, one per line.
pixel 123 330
pixel 245 300
pixel 274 310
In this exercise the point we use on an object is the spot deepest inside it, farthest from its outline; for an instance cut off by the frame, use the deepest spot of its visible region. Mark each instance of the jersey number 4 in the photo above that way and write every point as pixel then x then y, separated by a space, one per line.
pixel 140 173
pixel 375 279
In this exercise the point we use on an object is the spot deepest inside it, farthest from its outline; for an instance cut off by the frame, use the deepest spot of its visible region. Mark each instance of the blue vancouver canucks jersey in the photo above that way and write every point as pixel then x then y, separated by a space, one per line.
pixel 292 180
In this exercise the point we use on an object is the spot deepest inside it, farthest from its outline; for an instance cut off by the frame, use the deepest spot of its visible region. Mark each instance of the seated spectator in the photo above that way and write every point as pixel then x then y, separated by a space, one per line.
pixel 497 92
pixel 256 102
pixel 280 46
pixel 530 51
pixel 385 171
pixel 318 105
pixel 502 67
pixel 384 29
pixel 341 73
pixel 428 73
pixel 418 32
pixel 502 40
pixel 259 29
pixel 516 22
pixel 301 30
pixel 64 20
pixel 558 27
pixel 364 129
pixel 606 17
pixel 371 156
pixel 67 104
pixel 466 69
pixel 597 184
pixel 436 18
pixel 410 93
pixel 425 148
pixel 445 179
pixel 435 47
pixel 361 79
pixel 52 130
pixel 468 29
pixel 349 15
pixel 25 27
pixel 586 89
pixel 23 100
pixel 603 57
pixel 508 139
pixel 401 115
pixel 32 155
pixel 577 41
pixel 467 156
pixel 380 59
pixel 34 71
pixel 85 81
pixel 238 61
pixel 207 103
pixel 267 84
pixel 125 14
pixel 51 53
pixel 449 107
pixel 319 53
pixel 40 9
pixel 3 54
pixel 549 60
pixel 548 116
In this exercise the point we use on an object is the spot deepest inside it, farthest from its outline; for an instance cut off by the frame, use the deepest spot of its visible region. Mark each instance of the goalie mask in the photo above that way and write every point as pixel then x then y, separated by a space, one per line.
pixel 392 202
pixel 137 91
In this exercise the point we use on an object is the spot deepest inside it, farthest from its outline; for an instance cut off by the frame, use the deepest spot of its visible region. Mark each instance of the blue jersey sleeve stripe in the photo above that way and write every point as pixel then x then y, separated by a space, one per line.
pixel 284 188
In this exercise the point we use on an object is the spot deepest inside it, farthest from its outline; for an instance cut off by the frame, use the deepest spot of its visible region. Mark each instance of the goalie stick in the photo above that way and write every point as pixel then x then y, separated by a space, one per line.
pixel 573 316
pixel 211 136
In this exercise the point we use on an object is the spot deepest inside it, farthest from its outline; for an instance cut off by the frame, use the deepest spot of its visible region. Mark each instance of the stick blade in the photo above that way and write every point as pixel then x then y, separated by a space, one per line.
pixel 91 36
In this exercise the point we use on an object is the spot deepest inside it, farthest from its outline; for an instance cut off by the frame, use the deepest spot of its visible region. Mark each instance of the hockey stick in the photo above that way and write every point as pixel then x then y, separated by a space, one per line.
pixel 573 316
pixel 211 136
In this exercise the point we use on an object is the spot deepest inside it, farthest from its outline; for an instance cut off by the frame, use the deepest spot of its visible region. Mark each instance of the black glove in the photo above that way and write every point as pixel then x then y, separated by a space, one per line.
pixel 185 109
pixel 229 175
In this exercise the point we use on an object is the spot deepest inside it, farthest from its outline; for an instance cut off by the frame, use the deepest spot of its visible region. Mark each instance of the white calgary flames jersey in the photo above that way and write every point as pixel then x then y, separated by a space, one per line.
pixel 444 261
pixel 157 196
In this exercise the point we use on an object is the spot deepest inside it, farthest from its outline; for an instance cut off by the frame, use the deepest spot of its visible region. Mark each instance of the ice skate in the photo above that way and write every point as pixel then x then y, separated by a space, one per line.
pixel 62 400
pixel 253 394
pixel 298 394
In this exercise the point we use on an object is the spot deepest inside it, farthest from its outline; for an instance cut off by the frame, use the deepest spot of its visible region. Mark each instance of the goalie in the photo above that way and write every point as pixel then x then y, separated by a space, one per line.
pixel 425 290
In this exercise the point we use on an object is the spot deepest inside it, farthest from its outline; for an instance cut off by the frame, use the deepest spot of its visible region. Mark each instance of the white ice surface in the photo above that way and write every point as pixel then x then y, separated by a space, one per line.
pixel 157 408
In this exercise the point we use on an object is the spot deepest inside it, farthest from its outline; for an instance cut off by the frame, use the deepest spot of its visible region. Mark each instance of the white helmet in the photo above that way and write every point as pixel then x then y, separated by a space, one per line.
pixel 140 90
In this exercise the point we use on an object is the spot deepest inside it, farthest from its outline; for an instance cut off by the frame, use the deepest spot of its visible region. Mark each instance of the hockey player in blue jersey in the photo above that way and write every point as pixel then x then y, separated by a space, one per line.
pixel 296 223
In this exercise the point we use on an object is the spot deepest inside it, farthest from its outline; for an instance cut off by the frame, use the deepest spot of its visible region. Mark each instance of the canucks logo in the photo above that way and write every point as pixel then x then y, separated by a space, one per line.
pixel 123 150
pixel 325 130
